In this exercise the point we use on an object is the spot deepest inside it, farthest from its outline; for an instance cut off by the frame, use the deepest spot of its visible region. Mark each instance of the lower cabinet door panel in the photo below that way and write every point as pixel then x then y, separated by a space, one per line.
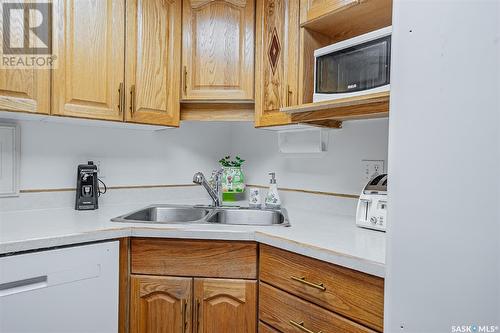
pixel 225 306
pixel 288 313
pixel 160 304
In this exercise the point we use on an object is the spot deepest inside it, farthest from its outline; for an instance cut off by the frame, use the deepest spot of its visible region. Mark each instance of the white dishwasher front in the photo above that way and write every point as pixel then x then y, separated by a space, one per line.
pixel 66 290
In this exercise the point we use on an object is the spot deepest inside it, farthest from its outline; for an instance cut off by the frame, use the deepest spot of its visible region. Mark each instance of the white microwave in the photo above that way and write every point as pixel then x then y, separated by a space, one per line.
pixel 353 67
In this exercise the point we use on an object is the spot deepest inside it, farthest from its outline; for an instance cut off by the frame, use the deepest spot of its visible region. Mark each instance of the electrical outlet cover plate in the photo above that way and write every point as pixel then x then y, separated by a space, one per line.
pixel 371 168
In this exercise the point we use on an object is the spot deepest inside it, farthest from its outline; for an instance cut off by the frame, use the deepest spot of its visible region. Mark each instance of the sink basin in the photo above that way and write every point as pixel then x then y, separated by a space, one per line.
pixel 207 215
pixel 165 214
pixel 245 216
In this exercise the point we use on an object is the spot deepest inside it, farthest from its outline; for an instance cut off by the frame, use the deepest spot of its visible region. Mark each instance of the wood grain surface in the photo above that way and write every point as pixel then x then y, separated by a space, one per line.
pixel 160 304
pixel 225 306
pixel 353 294
pixel 218 50
pixel 198 258
pixel 281 310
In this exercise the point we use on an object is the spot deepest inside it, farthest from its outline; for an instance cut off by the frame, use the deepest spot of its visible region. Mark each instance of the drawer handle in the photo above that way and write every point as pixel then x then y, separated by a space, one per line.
pixel 303 280
pixel 301 327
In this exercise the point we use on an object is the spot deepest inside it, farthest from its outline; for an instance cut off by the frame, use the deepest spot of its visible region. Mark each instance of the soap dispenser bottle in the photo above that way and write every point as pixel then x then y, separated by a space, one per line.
pixel 272 197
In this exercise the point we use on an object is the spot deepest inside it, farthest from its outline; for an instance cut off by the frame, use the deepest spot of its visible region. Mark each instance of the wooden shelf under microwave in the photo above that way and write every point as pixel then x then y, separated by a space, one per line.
pixel 343 19
pixel 360 107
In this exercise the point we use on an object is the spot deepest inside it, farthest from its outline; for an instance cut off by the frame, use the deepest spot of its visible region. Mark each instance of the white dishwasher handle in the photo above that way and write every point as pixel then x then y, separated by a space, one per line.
pixel 19 286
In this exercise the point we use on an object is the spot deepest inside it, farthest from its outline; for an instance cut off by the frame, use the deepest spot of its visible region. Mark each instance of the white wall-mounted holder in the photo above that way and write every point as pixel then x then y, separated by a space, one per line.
pixel 10 149
pixel 303 142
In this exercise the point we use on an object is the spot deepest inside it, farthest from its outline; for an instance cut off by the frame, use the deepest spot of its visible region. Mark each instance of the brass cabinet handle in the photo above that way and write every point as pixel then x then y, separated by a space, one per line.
pixel 185 79
pixel 303 280
pixel 120 97
pixel 132 99
pixel 300 326
pixel 184 310
pixel 289 92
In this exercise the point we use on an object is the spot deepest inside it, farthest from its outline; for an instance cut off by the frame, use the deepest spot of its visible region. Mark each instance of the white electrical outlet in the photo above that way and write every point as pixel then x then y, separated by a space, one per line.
pixel 371 168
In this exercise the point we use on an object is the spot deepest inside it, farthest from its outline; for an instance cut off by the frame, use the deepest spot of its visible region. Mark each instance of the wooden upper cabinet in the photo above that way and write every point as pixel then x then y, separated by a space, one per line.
pixel 24 90
pixel 218 50
pixel 277 63
pixel 225 306
pixel 88 80
pixel 160 304
pixel 153 57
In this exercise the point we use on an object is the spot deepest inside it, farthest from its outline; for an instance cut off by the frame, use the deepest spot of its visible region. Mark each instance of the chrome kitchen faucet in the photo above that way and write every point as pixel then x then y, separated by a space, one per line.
pixel 214 191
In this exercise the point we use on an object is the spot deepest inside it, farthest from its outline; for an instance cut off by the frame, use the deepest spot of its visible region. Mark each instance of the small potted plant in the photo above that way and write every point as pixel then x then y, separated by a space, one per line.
pixel 233 180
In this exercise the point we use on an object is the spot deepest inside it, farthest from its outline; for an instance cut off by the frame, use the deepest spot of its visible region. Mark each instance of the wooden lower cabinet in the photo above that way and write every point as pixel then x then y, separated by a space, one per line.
pixel 160 304
pixel 225 306
pixel 176 304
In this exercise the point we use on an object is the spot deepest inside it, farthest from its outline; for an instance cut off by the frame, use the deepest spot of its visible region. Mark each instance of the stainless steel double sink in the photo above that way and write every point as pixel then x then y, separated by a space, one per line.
pixel 206 215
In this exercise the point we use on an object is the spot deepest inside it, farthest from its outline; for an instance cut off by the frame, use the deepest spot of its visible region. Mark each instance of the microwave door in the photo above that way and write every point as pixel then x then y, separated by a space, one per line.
pixel 357 68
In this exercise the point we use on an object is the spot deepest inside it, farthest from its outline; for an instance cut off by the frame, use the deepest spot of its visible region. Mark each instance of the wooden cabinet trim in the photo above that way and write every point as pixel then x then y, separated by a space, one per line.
pixel 124 286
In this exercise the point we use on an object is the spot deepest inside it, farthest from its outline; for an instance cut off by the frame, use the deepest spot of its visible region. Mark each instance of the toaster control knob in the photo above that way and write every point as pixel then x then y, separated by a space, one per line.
pixel 373 220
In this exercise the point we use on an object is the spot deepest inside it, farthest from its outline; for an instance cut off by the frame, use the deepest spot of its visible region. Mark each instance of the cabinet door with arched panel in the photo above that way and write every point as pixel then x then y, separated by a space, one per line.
pixel 225 306
pixel 218 50
pixel 160 304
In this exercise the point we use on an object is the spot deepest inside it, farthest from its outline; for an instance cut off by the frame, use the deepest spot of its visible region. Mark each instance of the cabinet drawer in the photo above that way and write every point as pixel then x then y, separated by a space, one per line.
pixel 353 294
pixel 264 328
pixel 198 258
pixel 292 314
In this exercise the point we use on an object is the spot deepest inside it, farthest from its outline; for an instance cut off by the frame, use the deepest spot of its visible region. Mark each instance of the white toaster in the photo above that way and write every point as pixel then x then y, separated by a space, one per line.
pixel 372 204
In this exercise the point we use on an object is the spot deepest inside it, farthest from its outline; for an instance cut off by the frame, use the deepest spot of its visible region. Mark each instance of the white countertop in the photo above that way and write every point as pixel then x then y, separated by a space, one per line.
pixel 328 237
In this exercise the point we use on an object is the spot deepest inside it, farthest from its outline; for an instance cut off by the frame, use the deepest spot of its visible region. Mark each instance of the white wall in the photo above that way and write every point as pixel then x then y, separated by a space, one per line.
pixel 443 256
pixel 50 153
pixel 339 170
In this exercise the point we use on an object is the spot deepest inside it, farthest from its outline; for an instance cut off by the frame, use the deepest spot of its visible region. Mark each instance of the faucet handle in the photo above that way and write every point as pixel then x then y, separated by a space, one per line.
pixel 198 178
